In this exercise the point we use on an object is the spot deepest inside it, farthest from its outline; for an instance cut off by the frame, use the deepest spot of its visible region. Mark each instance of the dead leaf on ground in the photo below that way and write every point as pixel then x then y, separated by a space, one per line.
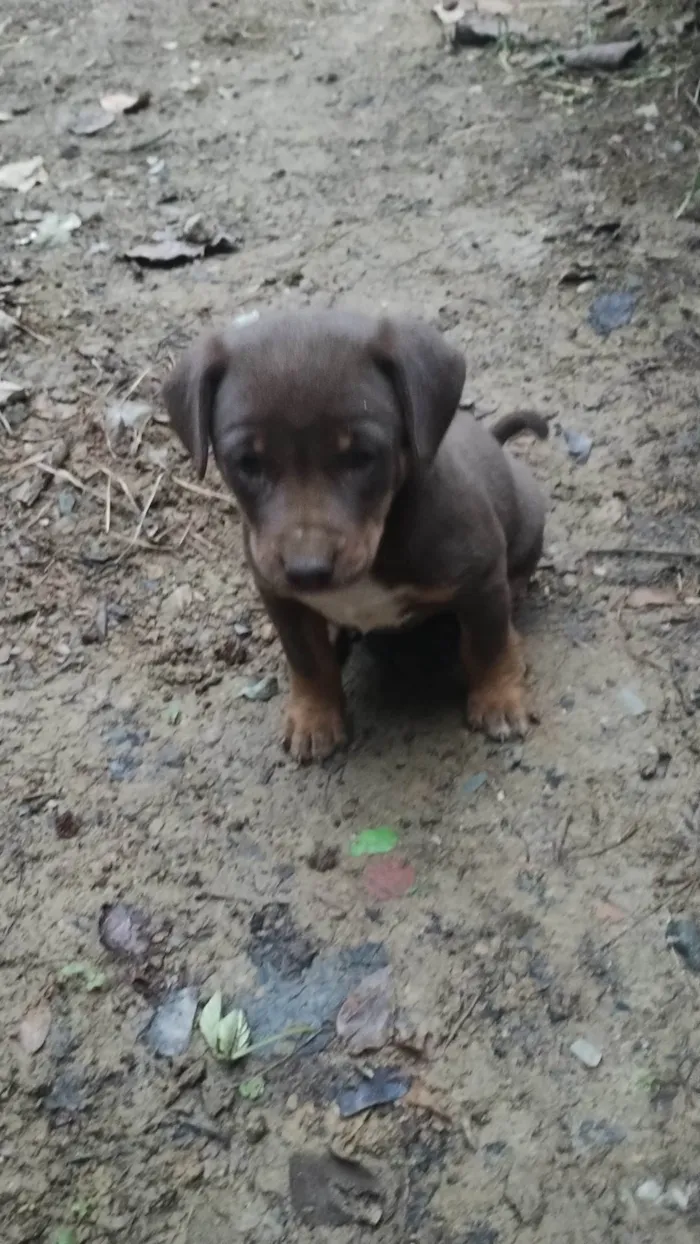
pixel 117 102
pixel 329 1191
pixel 124 929
pixel 608 56
pixel 172 253
pixel 21 175
pixel 91 121
pixel 388 876
pixel 66 824
pixel 652 597
pixel 424 1098
pixel 34 1028
pixel 365 1019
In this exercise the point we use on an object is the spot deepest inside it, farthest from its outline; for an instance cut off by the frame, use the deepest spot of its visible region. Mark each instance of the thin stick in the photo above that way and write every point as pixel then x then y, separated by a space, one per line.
pixel 6 425
pixel 612 846
pixel 108 504
pixel 31 332
pixel 61 474
pixel 688 555
pixel 203 492
pixel 146 508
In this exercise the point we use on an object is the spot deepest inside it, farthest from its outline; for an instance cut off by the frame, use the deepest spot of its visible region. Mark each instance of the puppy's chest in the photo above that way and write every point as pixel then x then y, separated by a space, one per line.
pixel 372 606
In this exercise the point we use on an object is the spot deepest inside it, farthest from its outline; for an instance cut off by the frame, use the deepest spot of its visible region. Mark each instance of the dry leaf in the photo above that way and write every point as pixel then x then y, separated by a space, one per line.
pixel 365 1019
pixel 652 598
pixel 125 101
pixel 423 1098
pixel 34 1028
pixel 91 121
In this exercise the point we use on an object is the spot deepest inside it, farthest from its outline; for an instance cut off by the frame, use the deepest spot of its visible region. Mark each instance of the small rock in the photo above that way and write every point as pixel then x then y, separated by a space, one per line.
pixel 587 1053
pixel 66 501
pixel 683 936
pixel 650 1190
pixel 654 763
pixel 256 1128
pixel 579 446
pixel 171 757
pixel 632 704
pixel 597 1134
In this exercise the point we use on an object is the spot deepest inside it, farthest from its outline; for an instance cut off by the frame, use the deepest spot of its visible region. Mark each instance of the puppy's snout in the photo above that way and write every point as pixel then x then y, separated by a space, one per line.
pixel 310 572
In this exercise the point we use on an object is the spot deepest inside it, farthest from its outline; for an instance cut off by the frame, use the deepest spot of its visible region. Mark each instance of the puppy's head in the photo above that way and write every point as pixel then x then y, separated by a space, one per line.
pixel 316 420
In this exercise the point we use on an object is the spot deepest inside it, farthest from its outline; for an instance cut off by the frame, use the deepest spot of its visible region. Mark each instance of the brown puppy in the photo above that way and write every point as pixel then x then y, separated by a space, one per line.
pixel 368 502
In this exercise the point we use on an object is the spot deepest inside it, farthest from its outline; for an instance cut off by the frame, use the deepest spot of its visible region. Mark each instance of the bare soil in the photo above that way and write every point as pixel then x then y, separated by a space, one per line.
pixel 358 160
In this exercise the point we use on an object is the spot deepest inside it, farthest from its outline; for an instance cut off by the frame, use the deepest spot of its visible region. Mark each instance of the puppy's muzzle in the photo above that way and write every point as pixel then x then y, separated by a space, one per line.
pixel 309 558
pixel 309 572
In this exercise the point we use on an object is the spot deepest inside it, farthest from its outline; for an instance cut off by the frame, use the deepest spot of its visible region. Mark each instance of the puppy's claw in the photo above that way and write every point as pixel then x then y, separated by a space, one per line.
pixel 313 730
pixel 500 712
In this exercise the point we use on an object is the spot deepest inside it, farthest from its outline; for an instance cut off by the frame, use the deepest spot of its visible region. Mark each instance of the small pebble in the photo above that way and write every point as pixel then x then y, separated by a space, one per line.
pixel 256 1128
pixel 631 703
pixel 587 1053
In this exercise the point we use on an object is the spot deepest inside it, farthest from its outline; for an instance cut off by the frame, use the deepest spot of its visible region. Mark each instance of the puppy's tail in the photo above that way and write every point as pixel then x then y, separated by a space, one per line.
pixel 522 421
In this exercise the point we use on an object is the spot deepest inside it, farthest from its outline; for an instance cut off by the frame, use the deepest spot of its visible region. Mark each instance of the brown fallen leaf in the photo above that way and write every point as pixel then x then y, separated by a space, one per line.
pixel 117 102
pixel 365 1019
pixel 652 598
pixel 424 1098
pixel 34 1028
pixel 66 824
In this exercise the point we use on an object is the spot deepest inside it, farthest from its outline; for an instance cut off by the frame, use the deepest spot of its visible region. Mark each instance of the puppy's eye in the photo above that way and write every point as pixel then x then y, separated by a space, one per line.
pixel 356 459
pixel 250 465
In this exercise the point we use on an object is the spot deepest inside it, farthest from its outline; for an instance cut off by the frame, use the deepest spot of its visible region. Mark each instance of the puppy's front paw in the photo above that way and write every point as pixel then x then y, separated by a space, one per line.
pixel 499 709
pixel 313 728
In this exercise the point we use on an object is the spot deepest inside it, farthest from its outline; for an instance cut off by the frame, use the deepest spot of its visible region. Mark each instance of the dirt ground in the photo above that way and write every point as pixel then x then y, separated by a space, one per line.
pixel 351 157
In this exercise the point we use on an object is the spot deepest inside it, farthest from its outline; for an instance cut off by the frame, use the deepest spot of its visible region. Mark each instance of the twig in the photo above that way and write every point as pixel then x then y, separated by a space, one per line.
pixel 147 506
pixel 612 846
pixel 463 1018
pixel 688 555
pixel 31 332
pixel 203 492
pixel 108 504
pixel 5 424
pixel 649 911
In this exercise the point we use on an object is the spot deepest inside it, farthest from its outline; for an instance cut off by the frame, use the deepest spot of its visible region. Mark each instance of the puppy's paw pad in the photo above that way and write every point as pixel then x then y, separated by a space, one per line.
pixel 313 731
pixel 500 712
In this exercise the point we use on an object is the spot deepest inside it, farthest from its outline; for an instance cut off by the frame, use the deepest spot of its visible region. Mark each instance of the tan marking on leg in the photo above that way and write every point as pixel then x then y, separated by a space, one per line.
pixel 315 721
pixel 496 693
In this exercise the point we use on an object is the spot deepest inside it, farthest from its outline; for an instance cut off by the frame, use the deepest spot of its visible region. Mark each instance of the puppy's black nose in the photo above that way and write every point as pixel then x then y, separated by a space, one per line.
pixel 309 574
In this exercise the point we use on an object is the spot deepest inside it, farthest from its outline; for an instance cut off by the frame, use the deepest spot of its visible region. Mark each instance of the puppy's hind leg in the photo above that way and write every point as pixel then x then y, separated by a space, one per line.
pixel 493 661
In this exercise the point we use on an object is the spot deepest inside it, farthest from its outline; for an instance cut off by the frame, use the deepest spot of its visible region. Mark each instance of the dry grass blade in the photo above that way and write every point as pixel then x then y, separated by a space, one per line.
pixel 108 504
pixel 209 493
pixel 135 540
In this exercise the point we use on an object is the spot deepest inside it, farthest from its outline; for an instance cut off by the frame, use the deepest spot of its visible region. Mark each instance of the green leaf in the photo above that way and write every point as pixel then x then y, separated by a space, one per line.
pixel 65 1235
pixel 233 1036
pixel 173 714
pixel 374 841
pixel 209 1020
pixel 253 1088
pixel 91 977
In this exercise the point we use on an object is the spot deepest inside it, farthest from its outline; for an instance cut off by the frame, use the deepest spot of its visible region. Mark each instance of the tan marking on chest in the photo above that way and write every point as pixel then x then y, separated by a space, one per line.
pixel 371 606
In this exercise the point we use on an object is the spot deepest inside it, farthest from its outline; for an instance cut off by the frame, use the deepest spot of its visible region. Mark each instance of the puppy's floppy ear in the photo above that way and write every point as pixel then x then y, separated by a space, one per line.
pixel 427 375
pixel 189 392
